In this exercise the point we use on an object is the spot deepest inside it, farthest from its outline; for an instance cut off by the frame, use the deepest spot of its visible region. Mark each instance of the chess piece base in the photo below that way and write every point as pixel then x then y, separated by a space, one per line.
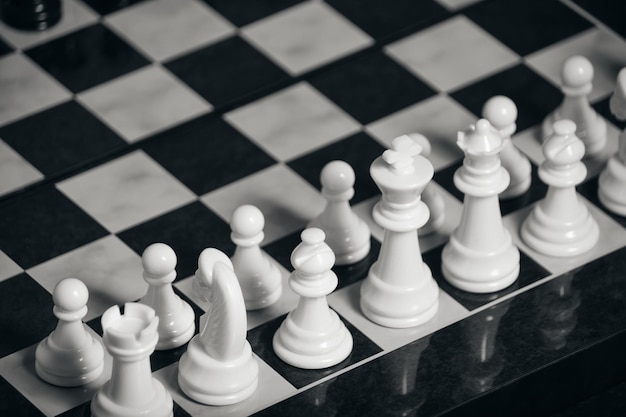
pixel 350 244
pixel 69 367
pixel 356 255
pixel 170 333
pixel 399 307
pixel 567 238
pixel 266 301
pixel 308 349
pixel 477 272
pixel 161 404
pixel 612 187
pixel 213 382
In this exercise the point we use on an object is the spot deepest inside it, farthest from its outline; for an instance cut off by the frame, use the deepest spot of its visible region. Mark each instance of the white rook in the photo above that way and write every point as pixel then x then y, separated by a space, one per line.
pixel 132 390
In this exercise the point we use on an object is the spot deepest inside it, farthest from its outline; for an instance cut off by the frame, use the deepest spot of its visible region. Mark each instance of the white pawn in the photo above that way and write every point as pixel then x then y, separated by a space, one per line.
pixel 132 391
pixel 576 78
pixel 312 336
pixel 346 233
pixel 501 112
pixel 176 317
pixel 218 367
pixel 612 181
pixel 70 356
pixel 480 256
pixel 430 196
pixel 560 224
pixel 260 279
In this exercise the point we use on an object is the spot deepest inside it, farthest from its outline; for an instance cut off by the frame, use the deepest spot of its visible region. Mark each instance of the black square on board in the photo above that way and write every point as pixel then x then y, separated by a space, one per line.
pixel 371 86
pixel 43 224
pixel 281 249
pixel 227 71
pixel 14 403
pixel 206 153
pixel 608 12
pixel 109 6
pixel 87 57
pixel 84 410
pixel 381 18
pixel 247 11
pixel 445 178
pixel 536 192
pixel 4 47
pixel 188 230
pixel 533 95
pixel 526 26
pixel 58 139
pixel 358 150
pixel 29 307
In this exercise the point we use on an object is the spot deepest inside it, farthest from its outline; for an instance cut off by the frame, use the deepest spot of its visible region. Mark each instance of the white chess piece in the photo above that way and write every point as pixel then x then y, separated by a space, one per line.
pixel 430 196
pixel 399 290
pixel 131 338
pixel 260 279
pixel 501 112
pixel 218 367
pixel 70 356
pixel 312 336
pixel 176 317
pixel 612 181
pixel 576 78
pixel 346 233
pixel 560 224
pixel 480 256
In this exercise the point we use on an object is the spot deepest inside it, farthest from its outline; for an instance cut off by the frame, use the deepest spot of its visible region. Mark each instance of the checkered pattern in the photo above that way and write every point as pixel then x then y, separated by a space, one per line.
pixel 135 122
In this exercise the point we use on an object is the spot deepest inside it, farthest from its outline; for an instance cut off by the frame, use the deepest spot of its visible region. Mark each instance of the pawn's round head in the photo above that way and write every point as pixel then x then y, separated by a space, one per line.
pixel 501 111
pixel 158 259
pixel 577 72
pixel 247 221
pixel 70 294
pixel 337 176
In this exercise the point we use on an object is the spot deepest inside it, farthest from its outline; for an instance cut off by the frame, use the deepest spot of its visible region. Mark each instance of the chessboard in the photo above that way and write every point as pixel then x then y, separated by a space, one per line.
pixel 134 122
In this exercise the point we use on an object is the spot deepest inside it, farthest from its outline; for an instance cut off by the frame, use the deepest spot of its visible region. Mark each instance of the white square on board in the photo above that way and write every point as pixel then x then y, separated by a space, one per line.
pixel 164 29
pixel 26 88
pixel 293 121
pixel 439 118
pixel 286 200
pixel 143 102
pixel 15 171
pixel 452 53
pixel 126 191
pixel 306 36
pixel 111 271
pixel 606 52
